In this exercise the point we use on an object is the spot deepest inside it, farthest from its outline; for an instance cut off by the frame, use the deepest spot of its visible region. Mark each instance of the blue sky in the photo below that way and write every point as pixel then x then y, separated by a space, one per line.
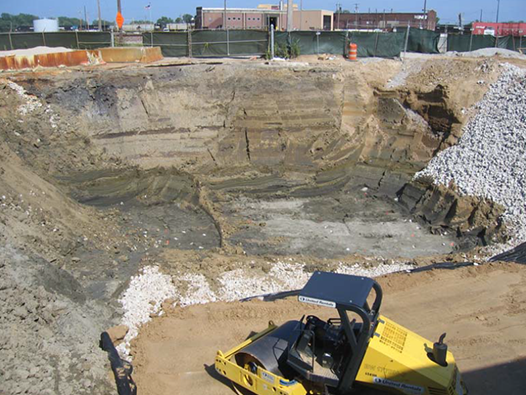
pixel 448 10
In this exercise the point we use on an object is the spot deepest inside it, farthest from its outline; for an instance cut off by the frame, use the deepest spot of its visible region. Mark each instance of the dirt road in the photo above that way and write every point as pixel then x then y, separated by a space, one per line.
pixel 482 309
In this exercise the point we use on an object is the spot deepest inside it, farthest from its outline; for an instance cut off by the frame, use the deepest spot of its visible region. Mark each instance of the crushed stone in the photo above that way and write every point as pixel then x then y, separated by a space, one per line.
pixel 489 160
pixel 488 52
pixel 141 300
pixel 148 290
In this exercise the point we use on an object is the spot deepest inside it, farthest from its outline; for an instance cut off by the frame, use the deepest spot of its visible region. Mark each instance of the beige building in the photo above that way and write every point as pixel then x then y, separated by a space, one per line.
pixel 262 17
pixel 313 20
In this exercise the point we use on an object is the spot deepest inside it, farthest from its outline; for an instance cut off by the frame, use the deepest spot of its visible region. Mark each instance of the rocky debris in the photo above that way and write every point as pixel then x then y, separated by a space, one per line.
pixel 49 342
pixel 489 160
pixel 488 52
pixel 142 300
pixel 473 219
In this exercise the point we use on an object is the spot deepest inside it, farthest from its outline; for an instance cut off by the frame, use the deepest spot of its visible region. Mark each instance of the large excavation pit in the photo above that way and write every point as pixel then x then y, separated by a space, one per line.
pixel 232 178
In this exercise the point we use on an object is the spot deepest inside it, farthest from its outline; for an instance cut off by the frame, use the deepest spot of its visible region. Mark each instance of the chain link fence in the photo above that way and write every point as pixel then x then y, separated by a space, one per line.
pixel 73 40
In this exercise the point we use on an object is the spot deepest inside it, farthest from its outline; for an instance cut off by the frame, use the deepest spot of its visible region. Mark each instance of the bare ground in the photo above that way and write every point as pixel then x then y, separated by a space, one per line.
pixel 481 309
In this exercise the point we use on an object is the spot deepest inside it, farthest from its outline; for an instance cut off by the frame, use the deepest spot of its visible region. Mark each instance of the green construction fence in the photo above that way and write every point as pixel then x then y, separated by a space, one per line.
pixel 468 42
pixel 209 43
pixel 72 40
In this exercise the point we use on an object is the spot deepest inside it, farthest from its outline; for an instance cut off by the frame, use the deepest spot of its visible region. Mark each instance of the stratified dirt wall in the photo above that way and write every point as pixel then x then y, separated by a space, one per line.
pixel 216 117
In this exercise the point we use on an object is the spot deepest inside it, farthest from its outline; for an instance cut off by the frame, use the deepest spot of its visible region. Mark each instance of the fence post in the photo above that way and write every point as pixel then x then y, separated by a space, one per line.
pixel 227 42
pixel 10 41
pixel 318 42
pixel 272 41
pixel 406 38
pixel 376 43
pixel 471 40
pixel 189 42
pixel 44 39
pixel 112 39
pixel 77 38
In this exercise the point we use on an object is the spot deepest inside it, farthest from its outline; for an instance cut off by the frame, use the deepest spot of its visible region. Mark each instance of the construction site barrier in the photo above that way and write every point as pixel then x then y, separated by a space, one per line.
pixel 469 42
pixel 210 43
pixel 314 43
pixel 222 43
pixel 73 40
pixel 353 51
pixel 377 44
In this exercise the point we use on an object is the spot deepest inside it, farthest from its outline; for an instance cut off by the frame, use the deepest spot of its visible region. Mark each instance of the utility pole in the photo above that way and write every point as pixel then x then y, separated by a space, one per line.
pixel 224 16
pixel 425 12
pixel 290 16
pixel 100 20
pixel 86 17
pixel 356 15
pixel 119 12
pixel 301 14
pixel 338 10
pixel 498 7
pixel 480 20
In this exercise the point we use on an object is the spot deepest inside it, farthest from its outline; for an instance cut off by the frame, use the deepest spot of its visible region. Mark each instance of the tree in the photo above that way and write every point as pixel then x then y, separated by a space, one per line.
pixel 187 18
pixel 16 22
pixel 164 20
pixel 178 20
pixel 69 23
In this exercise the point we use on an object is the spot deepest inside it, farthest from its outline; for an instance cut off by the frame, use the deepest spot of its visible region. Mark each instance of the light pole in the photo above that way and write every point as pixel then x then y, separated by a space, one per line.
pixel 224 16
pixel 100 20
pixel 498 7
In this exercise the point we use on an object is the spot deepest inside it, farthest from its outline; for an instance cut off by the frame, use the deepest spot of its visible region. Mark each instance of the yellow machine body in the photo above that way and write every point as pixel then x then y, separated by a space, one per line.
pixel 396 360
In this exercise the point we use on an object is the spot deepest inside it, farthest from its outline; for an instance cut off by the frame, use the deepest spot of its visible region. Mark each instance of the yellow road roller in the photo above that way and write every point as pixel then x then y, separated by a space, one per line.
pixel 357 348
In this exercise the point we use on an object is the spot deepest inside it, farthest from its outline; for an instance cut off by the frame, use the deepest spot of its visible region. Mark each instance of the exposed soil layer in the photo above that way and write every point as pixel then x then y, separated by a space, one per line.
pixel 481 309
pixel 200 170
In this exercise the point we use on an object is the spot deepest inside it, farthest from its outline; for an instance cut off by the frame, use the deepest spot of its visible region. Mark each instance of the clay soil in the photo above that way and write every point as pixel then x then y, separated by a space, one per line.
pixel 482 309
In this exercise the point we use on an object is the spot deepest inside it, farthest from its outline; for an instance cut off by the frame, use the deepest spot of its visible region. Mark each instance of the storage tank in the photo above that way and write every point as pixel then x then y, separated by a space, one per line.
pixel 45 25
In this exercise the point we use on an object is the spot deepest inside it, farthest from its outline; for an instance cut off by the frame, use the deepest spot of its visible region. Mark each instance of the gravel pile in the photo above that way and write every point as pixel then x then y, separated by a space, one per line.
pixel 488 52
pixel 142 301
pixel 490 158
pixel 283 276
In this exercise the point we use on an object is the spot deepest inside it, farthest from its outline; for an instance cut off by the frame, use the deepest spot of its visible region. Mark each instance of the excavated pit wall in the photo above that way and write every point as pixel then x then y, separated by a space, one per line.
pixel 79 219
pixel 271 131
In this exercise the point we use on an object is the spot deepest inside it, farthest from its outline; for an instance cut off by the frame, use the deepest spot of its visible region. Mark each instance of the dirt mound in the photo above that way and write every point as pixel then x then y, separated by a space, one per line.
pixel 481 309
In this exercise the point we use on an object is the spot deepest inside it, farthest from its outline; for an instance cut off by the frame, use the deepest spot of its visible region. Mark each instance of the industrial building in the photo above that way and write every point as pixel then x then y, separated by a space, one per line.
pixel 384 20
pixel 499 29
pixel 262 17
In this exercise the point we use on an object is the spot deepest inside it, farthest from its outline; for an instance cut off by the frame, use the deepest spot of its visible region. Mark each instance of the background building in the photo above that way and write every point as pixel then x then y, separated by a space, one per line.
pixel 385 20
pixel 262 17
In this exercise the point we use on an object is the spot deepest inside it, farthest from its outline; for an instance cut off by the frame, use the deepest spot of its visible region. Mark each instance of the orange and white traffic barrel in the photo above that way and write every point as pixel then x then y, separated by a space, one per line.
pixel 353 51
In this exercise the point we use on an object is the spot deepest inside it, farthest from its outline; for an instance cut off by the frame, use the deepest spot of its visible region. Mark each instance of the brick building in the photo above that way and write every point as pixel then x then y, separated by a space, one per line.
pixel 262 17
pixel 385 20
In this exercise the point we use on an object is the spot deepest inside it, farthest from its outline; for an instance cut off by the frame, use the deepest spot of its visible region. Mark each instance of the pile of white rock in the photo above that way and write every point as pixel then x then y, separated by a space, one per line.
pixel 489 160
pixel 142 300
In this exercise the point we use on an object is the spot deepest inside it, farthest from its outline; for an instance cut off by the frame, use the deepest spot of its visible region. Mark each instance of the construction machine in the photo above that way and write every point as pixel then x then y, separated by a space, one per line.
pixel 357 348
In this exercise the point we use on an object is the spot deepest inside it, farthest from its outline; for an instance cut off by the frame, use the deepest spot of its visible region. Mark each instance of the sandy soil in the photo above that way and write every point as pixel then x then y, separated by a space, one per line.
pixel 481 309
pixel 34 51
